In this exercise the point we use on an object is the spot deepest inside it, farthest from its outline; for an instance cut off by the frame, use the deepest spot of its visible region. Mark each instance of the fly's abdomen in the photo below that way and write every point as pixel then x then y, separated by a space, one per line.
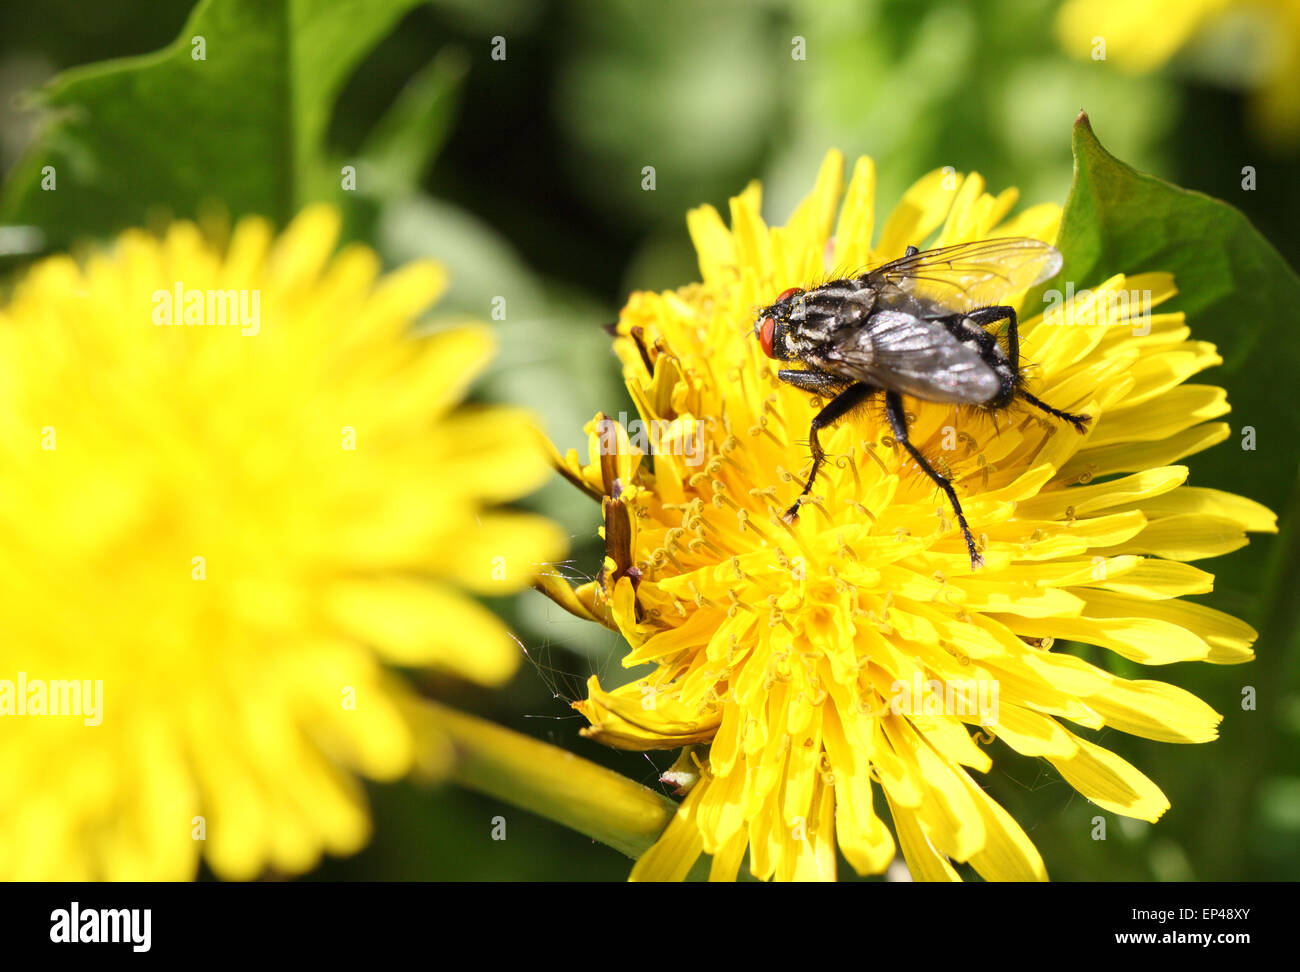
pixel 901 352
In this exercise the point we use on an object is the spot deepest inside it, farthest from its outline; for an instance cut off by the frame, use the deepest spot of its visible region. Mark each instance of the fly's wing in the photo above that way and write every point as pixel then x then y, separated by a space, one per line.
pixel 970 275
pixel 897 351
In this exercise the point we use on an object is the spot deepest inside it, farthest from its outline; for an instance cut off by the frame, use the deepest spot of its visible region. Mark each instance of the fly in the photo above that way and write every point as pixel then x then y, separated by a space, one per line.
pixel 916 326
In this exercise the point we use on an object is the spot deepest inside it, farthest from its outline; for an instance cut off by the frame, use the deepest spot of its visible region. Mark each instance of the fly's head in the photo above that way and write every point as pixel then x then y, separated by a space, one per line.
pixel 775 325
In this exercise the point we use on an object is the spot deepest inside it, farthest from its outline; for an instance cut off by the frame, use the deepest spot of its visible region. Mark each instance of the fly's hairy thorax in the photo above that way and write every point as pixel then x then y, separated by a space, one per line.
pixel 825 315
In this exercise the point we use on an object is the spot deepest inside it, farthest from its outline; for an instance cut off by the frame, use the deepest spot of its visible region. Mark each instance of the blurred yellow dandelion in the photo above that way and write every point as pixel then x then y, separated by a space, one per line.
pixel 811 668
pixel 232 527
pixel 1142 35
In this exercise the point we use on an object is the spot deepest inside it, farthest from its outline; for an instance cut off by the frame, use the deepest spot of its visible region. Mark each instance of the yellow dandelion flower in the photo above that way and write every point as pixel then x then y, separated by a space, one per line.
pixel 236 489
pixel 813 666
pixel 1142 35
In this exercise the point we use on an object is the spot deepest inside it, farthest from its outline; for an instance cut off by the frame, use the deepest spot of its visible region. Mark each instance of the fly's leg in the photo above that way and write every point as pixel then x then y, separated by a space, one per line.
pixel 813 381
pixel 846 401
pixel 1080 422
pixel 991 315
pixel 898 422
pixel 1001 312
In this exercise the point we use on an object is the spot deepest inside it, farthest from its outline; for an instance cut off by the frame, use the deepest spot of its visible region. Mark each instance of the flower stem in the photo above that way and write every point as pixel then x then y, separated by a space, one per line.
pixel 551 782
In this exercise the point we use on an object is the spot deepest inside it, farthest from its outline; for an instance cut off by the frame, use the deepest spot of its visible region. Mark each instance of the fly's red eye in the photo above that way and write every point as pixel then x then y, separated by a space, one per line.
pixel 787 293
pixel 765 335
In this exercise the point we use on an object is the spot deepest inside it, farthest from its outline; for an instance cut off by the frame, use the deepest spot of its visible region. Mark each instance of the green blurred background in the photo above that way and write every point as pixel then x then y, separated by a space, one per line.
pixel 528 185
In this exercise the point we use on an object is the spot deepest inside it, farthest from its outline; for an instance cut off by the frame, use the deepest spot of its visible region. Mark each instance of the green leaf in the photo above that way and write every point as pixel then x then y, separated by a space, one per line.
pixel 402 143
pixel 244 125
pixel 1240 294
pixel 1237 291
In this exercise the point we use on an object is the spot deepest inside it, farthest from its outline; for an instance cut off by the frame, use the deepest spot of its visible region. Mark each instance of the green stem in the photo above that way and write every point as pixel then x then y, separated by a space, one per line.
pixel 551 782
